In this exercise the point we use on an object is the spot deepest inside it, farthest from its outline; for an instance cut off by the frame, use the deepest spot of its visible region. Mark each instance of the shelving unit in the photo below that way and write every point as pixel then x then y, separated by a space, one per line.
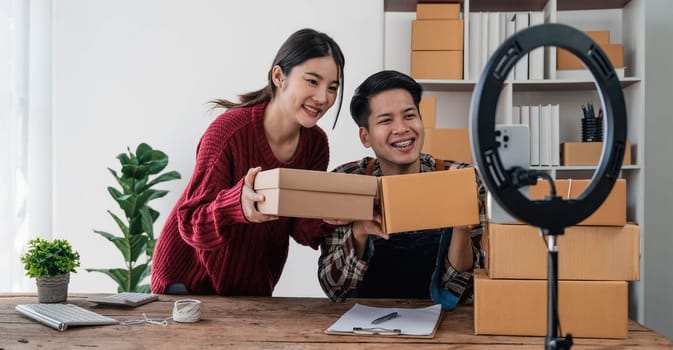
pixel 626 21
pixel 520 86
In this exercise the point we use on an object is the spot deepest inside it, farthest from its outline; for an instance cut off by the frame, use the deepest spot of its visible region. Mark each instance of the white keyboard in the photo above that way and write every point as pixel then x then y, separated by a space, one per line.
pixel 125 298
pixel 61 316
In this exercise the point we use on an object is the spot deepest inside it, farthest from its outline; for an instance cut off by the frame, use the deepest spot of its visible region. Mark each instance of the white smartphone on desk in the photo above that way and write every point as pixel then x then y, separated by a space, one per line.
pixel 513 141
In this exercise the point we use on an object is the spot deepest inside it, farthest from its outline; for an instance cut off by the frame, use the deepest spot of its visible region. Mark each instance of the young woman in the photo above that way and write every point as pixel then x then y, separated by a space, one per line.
pixel 215 241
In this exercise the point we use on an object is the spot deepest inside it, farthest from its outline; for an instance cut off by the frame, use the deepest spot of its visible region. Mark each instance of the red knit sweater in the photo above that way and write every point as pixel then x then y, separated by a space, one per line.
pixel 207 243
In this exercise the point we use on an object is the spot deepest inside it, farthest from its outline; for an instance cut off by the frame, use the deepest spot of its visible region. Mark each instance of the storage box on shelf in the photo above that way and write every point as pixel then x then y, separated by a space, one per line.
pixel 587 153
pixel 428 110
pixel 570 67
pixel 448 143
pixel 443 143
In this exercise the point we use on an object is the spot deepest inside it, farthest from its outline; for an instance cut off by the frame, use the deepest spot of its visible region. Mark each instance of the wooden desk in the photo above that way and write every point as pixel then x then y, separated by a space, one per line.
pixel 268 323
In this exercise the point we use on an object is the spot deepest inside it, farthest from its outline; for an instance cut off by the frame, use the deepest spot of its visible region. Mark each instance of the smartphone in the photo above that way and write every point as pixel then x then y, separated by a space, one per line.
pixel 513 142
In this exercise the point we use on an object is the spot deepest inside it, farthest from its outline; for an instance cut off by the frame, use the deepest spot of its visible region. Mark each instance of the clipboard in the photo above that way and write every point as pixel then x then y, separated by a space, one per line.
pixel 412 323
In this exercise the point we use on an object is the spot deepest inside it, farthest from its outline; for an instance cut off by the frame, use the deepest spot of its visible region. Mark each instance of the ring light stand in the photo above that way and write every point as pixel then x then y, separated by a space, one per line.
pixel 552 214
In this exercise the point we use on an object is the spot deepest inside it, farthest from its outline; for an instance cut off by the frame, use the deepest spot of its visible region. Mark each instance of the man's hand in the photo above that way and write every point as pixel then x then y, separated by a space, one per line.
pixel 362 230
pixel 460 250
pixel 337 222
pixel 249 198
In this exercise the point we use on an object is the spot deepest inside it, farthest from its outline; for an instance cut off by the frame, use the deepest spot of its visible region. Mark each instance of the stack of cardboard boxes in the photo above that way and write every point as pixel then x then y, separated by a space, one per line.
pixel 437 42
pixel 596 258
pixel 437 53
pixel 443 143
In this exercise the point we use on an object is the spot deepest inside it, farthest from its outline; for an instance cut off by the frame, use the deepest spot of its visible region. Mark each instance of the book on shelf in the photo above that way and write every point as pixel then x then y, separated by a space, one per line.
pixel 535 135
pixel 516 115
pixel 493 32
pixel 483 43
pixel 474 40
pixel 543 123
pixel 545 135
pixel 521 72
pixel 536 57
pixel 525 115
pixel 510 28
pixel 555 136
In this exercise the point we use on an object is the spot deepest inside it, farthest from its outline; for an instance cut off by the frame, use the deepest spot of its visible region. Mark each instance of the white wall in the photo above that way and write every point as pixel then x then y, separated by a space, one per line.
pixel 129 71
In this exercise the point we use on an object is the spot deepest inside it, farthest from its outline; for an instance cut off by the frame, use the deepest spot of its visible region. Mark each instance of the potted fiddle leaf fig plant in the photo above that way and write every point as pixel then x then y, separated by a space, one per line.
pixel 50 263
pixel 136 242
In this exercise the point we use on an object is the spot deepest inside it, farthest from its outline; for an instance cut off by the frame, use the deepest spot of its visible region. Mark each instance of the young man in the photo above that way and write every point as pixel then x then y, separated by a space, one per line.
pixel 359 260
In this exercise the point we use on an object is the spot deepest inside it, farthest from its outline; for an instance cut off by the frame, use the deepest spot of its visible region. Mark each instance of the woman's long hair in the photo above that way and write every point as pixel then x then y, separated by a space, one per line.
pixel 301 46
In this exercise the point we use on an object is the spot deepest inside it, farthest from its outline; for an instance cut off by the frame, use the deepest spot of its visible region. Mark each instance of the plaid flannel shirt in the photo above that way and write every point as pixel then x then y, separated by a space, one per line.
pixel 340 271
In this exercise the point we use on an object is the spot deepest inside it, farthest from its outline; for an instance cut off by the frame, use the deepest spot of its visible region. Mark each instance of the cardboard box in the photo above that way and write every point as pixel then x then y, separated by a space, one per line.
pixel 604 253
pixel 611 213
pixel 437 34
pixel 615 52
pixel 316 194
pixel 587 153
pixel 566 60
pixel 437 65
pixel 438 11
pixel 428 110
pixel 601 37
pixel 429 200
pixel 448 144
pixel 587 309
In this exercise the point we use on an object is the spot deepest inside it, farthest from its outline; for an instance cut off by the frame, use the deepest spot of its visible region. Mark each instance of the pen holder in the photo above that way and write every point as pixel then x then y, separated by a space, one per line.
pixel 592 129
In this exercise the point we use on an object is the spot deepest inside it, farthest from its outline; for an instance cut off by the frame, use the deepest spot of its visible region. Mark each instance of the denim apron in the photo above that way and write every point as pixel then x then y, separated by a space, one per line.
pixel 404 265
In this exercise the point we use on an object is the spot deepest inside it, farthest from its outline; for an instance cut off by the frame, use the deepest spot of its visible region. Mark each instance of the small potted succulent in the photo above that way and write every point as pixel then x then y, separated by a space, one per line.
pixel 50 263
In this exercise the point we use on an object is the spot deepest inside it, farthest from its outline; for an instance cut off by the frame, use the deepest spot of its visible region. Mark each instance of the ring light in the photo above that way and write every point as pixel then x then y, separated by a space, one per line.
pixel 554 214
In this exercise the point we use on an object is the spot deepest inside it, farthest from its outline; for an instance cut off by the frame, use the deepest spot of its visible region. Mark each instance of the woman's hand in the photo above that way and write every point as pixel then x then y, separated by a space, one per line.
pixel 249 199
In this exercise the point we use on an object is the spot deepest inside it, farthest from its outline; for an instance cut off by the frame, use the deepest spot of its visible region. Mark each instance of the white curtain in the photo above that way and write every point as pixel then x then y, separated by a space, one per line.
pixel 25 134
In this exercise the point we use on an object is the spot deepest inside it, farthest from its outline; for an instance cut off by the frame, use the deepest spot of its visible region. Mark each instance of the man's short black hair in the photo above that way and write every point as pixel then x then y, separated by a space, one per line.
pixel 374 85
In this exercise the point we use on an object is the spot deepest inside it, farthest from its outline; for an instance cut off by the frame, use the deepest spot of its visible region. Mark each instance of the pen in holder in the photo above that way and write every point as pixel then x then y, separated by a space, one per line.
pixel 592 125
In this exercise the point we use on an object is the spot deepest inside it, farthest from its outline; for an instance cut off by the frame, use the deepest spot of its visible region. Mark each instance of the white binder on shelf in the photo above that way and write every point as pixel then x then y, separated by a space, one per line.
pixel 536 57
pixel 535 135
pixel 521 72
pixel 475 45
pixel 555 138
pixel 545 135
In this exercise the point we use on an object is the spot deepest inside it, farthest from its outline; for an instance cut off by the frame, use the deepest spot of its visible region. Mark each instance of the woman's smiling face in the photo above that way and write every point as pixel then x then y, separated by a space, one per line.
pixel 309 89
